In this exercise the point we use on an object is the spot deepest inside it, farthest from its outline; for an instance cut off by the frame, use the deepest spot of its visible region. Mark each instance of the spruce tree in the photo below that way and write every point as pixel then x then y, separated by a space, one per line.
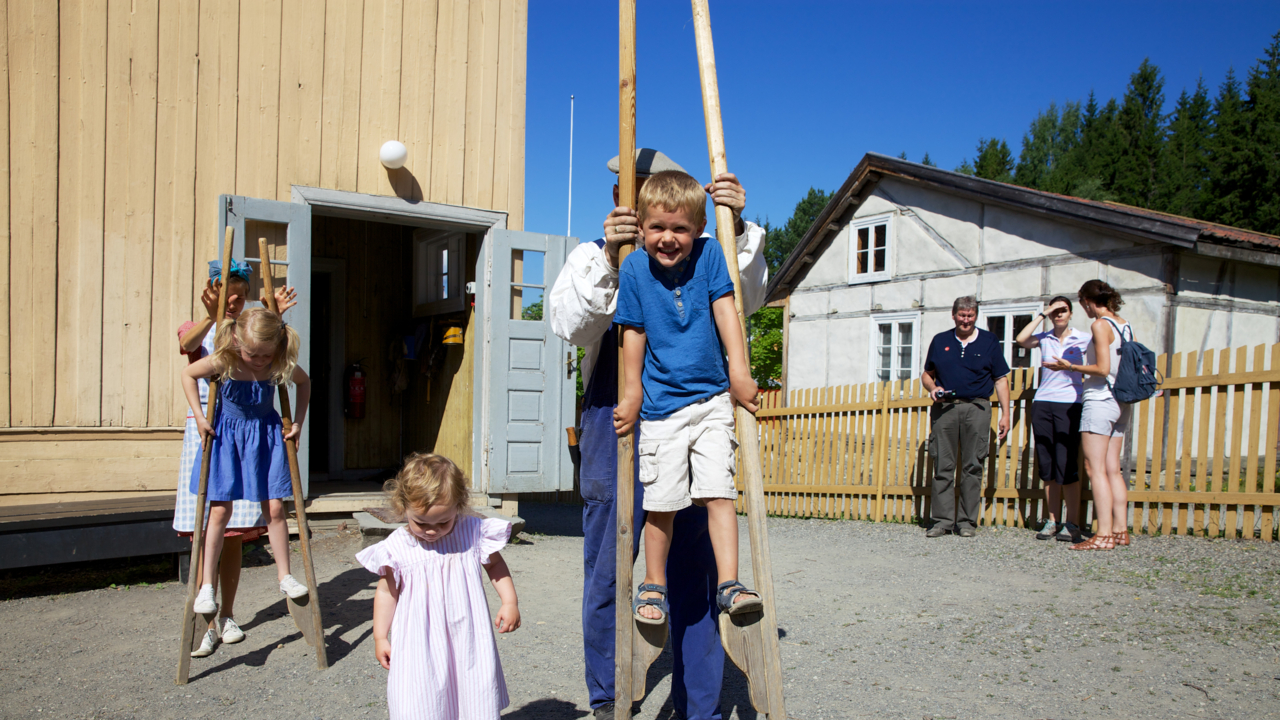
pixel 994 161
pixel 1182 174
pixel 1036 161
pixel 1099 151
pixel 779 242
pixel 1227 156
pixel 1262 200
pixel 927 161
pixel 1141 135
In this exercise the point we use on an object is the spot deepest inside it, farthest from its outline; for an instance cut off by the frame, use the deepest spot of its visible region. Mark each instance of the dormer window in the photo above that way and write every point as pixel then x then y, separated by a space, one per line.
pixel 870 249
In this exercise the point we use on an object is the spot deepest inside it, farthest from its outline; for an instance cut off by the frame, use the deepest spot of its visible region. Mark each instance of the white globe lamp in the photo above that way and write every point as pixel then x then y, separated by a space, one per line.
pixel 393 154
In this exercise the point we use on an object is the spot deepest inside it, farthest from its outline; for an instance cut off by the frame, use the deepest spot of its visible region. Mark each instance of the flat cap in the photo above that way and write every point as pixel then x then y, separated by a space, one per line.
pixel 648 162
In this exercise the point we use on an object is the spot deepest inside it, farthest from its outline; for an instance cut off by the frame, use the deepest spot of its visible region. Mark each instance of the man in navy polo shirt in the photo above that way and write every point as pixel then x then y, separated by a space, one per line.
pixel 960 371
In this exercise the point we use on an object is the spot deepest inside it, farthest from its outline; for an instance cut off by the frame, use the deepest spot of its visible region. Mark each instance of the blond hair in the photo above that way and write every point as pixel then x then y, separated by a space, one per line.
pixel 427 480
pixel 673 191
pixel 256 327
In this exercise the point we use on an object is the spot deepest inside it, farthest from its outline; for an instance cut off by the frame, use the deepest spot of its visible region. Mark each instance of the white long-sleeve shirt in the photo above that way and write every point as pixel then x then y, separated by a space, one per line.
pixel 585 295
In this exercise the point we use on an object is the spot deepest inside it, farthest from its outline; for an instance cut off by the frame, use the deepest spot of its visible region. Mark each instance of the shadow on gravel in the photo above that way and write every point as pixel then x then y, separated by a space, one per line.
pixel 341 612
pixel 734 695
pixel 546 709
pixel 559 519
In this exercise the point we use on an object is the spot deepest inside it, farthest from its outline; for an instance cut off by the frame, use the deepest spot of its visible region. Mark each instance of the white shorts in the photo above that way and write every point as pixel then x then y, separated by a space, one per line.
pixel 1104 416
pixel 695 441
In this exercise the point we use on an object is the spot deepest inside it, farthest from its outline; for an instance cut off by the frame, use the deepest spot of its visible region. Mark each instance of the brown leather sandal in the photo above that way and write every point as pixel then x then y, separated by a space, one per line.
pixel 1121 538
pixel 1097 542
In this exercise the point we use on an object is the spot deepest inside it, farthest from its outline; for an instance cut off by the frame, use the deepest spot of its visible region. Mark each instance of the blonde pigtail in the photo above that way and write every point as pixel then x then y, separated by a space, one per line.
pixel 225 357
pixel 286 359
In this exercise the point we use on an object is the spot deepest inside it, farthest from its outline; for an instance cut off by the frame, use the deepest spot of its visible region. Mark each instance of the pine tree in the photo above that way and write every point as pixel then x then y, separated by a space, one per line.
pixel 1035 162
pixel 1262 211
pixel 1098 151
pixel 1227 156
pixel 926 161
pixel 965 167
pixel 1182 173
pixel 1141 136
pixel 1065 173
pixel 994 161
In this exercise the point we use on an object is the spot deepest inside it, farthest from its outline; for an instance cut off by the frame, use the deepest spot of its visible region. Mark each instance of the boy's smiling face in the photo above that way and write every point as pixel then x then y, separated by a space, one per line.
pixel 669 235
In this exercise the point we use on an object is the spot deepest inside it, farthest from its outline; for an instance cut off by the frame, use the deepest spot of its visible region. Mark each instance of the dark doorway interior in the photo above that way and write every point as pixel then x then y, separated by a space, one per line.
pixel 320 370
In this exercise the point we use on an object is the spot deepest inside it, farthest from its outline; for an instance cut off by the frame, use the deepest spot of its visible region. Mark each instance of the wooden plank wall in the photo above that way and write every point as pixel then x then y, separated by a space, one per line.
pixel 123 120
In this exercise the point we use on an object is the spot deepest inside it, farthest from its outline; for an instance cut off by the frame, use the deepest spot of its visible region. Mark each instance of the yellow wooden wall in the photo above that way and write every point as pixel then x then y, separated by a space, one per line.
pixel 124 120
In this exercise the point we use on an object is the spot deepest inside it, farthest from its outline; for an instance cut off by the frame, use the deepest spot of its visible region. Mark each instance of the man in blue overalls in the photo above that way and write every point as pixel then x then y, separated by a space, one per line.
pixel 581 306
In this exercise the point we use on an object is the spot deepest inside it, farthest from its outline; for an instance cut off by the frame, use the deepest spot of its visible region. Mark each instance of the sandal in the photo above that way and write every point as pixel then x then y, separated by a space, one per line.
pixel 658 602
pixel 1122 538
pixel 1097 542
pixel 727 591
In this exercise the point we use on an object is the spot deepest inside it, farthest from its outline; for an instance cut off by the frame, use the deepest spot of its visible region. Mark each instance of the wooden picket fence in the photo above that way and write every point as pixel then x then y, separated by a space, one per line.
pixel 1200 457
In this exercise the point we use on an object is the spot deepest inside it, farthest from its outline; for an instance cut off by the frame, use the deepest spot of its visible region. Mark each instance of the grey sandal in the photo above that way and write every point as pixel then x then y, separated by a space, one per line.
pixel 727 591
pixel 658 602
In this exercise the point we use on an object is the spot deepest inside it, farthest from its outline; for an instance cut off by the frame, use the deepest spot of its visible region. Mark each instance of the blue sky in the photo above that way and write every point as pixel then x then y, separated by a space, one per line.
pixel 807 88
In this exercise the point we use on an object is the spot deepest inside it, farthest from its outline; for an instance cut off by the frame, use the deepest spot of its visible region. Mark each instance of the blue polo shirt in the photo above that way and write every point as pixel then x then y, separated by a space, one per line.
pixel 971 370
pixel 684 361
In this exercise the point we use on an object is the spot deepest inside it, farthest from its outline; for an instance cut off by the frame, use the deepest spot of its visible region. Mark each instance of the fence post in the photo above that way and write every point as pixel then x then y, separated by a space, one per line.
pixel 882 447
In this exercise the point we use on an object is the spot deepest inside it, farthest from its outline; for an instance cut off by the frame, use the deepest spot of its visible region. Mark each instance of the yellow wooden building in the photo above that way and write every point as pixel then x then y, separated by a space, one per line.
pixel 136 130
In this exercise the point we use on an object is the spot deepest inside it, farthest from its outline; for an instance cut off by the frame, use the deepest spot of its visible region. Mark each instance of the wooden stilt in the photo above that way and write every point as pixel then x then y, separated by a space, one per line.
pixel 194 624
pixel 306 612
pixel 751 639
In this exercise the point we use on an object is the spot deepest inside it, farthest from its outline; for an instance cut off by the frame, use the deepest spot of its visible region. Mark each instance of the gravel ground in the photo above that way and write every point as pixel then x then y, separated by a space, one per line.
pixel 890 625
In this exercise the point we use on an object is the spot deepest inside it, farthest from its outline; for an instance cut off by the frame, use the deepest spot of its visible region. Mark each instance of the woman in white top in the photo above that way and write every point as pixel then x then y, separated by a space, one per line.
pixel 1103 420
pixel 1055 418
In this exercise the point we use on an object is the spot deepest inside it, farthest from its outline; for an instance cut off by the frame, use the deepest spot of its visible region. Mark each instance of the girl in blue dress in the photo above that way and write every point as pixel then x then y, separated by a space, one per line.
pixel 253 354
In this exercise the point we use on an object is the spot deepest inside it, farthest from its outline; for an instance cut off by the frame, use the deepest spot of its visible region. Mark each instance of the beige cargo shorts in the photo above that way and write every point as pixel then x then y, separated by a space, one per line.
pixel 689 455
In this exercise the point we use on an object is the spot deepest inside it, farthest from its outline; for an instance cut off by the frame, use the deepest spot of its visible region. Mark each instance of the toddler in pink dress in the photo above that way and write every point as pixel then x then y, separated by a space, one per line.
pixel 430 615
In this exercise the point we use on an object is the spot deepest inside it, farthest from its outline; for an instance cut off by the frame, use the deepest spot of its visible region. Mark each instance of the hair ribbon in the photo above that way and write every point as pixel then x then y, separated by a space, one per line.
pixel 239 269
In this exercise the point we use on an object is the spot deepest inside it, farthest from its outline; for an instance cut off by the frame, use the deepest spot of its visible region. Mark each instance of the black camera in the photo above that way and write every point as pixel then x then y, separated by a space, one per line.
pixel 947 395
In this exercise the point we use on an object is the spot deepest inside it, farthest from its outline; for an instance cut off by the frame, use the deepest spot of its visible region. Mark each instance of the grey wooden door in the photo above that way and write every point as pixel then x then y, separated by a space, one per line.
pixel 531 375
pixel 287 227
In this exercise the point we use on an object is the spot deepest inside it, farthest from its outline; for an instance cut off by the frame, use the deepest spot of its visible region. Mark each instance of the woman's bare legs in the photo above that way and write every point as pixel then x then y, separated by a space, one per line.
pixel 1095 465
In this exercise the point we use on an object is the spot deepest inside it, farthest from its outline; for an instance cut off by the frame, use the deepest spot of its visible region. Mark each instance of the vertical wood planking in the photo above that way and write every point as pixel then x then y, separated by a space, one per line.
pixel 1239 396
pixel 33 103
pixel 1221 444
pixel 340 113
pixel 1141 421
pixel 5 200
pixel 132 65
pixel 1203 448
pixel 449 123
pixel 483 52
pixel 219 58
pixel 173 286
pixel 258 116
pixel 1168 479
pixel 1151 513
pixel 302 41
pixel 1251 478
pixel 1269 450
pixel 514 169
pixel 417 95
pixel 1182 513
pixel 379 92
pixel 82 67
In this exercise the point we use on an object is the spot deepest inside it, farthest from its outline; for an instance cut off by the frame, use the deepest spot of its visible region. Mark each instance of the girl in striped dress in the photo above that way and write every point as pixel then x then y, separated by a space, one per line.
pixel 430 615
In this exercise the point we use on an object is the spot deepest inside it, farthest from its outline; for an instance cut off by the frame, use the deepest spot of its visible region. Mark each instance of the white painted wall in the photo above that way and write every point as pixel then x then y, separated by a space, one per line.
pixel 935 232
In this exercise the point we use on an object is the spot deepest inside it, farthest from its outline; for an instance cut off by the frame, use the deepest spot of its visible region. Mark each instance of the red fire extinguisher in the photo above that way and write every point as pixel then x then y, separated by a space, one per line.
pixel 353 378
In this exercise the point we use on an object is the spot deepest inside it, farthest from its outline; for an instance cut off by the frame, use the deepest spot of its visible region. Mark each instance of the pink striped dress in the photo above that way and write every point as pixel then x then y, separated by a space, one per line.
pixel 444 660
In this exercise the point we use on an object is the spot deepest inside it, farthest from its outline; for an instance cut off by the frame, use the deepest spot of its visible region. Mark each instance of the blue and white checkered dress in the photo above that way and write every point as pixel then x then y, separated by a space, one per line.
pixel 245 514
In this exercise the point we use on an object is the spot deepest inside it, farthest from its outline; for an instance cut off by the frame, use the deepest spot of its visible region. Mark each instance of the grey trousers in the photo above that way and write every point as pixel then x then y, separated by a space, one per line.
pixel 960 434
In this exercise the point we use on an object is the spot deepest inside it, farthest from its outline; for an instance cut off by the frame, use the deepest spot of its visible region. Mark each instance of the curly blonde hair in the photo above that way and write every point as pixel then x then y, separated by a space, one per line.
pixel 427 480
pixel 256 327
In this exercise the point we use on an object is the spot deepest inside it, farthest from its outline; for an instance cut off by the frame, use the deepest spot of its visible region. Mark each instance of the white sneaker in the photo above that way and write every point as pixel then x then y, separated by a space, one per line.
pixel 291 587
pixel 207 645
pixel 204 602
pixel 231 632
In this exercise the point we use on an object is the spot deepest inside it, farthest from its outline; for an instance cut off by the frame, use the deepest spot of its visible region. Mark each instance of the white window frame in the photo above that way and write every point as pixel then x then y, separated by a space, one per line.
pixel 893 318
pixel 1008 311
pixel 857 224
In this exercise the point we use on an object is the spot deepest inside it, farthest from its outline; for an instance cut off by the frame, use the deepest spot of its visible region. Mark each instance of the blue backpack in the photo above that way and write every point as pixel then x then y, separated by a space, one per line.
pixel 1137 377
